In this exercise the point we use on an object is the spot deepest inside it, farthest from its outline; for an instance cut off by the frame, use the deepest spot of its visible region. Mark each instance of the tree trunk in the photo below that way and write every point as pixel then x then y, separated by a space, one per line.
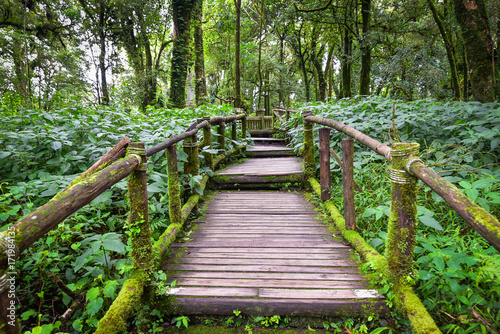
pixel 366 53
pixel 316 59
pixel 473 20
pixel 102 55
pixel 181 16
pixel 449 49
pixel 346 65
pixel 237 67
pixel 199 66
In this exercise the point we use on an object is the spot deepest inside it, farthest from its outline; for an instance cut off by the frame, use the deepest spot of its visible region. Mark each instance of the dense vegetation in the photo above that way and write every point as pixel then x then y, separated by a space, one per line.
pixel 76 76
pixel 42 151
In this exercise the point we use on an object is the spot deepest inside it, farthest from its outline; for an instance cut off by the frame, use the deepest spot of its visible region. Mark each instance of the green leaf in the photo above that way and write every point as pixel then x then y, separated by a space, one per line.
pixel 49 192
pixel 92 294
pixel 105 196
pixel 94 306
pixel 431 222
pixel 114 246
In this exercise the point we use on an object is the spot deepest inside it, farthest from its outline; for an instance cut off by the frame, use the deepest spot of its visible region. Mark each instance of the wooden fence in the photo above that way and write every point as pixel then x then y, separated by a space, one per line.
pixel 406 168
pixel 125 159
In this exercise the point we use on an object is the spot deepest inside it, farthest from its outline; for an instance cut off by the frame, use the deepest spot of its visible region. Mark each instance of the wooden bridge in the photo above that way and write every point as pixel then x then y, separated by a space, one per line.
pixel 258 247
pixel 266 252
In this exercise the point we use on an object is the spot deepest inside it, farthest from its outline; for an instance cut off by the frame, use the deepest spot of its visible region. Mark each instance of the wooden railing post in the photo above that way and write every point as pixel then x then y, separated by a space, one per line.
pixel 138 219
pixel 221 136
pixel 234 128
pixel 192 166
pixel 402 229
pixel 260 113
pixel 324 163
pixel 174 189
pixel 244 127
pixel 308 150
pixel 207 143
pixel 348 182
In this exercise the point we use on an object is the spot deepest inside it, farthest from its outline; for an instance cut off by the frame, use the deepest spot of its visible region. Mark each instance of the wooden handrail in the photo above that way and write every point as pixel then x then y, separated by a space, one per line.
pixel 36 224
pixel 478 218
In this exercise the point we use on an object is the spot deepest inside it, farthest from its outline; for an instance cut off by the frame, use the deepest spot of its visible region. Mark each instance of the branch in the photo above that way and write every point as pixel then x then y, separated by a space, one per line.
pixel 313 10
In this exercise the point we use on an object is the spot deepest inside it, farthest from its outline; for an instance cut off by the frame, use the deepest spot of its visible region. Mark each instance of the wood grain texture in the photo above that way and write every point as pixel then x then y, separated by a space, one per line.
pixel 267 253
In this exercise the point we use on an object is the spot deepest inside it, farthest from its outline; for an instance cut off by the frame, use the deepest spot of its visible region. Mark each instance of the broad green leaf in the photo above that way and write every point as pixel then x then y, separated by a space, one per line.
pixel 94 306
pixel 92 294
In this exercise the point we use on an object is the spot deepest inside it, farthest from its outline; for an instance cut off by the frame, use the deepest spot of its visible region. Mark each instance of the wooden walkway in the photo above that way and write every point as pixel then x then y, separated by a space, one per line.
pixel 266 253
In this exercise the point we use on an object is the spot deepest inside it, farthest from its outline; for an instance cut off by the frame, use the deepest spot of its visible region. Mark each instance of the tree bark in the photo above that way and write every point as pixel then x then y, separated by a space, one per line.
pixel 366 53
pixel 450 53
pixel 237 67
pixel 347 65
pixel 181 16
pixel 316 57
pixel 473 20
pixel 199 66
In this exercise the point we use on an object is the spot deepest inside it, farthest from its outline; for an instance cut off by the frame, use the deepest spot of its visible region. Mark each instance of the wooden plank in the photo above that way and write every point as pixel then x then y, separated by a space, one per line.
pixel 302 256
pixel 271 276
pixel 259 228
pixel 270 269
pixel 258 244
pixel 318 294
pixel 270 236
pixel 268 262
pixel 297 307
pixel 260 283
pixel 257 251
pixel 213 292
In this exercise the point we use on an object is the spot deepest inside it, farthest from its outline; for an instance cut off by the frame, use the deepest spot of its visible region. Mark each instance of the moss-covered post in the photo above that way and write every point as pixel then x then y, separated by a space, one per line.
pixel 244 127
pixel 174 189
pixel 9 323
pixel 192 166
pixel 308 150
pixel 260 113
pixel 348 182
pixel 234 129
pixel 138 219
pixel 402 229
pixel 207 143
pixel 324 163
pixel 221 137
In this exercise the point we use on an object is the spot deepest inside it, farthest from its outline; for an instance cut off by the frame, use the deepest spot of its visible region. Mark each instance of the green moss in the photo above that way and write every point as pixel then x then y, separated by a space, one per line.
pixel 488 222
pixel 308 151
pixel 174 189
pixel 368 253
pixel 402 228
pixel 115 320
pixel 410 305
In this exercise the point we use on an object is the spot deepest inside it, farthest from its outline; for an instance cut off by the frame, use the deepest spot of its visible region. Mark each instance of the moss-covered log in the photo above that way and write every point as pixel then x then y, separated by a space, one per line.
pixel 115 320
pixel 482 221
pixel 411 306
pixel 70 200
pixel 227 155
pixel 368 253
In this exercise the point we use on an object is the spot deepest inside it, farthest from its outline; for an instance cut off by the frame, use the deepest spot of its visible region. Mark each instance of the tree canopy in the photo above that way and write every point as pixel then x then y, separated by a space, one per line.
pixel 146 53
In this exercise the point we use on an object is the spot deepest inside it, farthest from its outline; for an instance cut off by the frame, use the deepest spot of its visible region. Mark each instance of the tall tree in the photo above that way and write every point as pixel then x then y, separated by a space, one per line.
pixel 181 16
pixel 473 20
pixel 199 66
pixel 450 49
pixel 366 53
pixel 237 67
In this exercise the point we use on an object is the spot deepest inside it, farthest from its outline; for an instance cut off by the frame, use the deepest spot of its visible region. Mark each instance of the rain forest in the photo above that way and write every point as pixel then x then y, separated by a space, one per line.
pixel 120 121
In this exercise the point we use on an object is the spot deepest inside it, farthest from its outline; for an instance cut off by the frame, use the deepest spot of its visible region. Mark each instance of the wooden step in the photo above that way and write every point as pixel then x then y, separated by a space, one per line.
pixel 268 141
pixel 269 150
